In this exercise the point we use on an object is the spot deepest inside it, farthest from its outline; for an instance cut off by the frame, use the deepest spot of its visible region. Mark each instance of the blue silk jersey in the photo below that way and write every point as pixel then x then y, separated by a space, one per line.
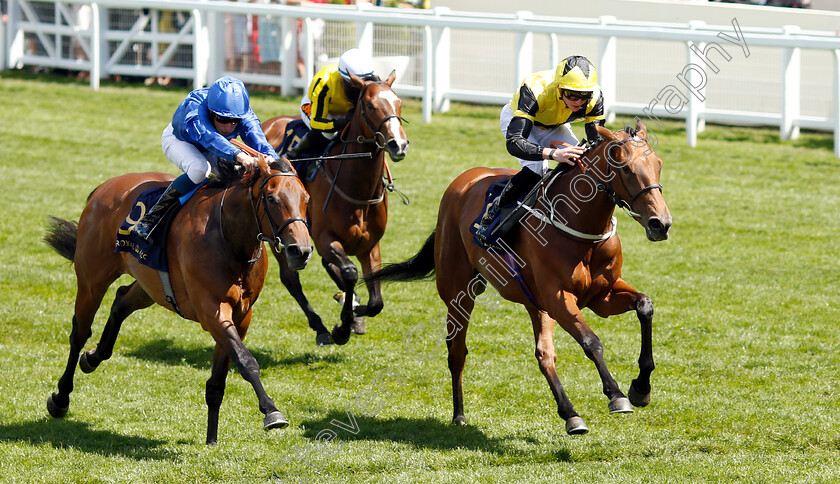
pixel 191 123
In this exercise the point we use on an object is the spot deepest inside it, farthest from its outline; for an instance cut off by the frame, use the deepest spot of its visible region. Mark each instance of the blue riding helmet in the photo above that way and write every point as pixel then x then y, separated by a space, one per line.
pixel 228 98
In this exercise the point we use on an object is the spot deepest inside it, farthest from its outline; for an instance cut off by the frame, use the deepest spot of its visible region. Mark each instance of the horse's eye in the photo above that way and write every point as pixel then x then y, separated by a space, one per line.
pixel 369 105
pixel 626 170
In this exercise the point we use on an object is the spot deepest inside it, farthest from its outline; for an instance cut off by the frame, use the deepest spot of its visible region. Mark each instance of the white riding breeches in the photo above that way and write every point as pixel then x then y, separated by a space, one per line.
pixel 185 156
pixel 540 136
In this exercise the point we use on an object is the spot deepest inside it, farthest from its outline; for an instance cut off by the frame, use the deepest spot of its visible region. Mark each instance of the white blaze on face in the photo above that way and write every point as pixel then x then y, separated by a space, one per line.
pixel 393 124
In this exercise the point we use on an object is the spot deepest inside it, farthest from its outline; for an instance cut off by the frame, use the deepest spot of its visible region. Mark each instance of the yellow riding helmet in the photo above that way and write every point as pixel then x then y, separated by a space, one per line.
pixel 576 73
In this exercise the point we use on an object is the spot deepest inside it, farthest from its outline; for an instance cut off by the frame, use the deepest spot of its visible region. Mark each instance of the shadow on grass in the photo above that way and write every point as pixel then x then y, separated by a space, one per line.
pixel 167 352
pixel 67 434
pixel 431 433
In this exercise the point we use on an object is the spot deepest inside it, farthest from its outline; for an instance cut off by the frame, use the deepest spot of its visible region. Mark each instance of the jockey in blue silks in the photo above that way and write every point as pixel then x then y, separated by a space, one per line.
pixel 198 137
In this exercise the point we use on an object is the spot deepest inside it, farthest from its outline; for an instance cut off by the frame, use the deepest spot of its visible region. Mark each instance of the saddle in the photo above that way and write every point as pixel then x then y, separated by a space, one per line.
pixel 506 218
pixel 307 170
pixel 152 252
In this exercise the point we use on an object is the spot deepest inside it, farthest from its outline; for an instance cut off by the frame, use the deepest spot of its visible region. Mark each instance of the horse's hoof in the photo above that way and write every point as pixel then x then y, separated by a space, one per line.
pixel 636 397
pixel 55 410
pixel 358 326
pixel 621 405
pixel 340 336
pixel 576 426
pixel 459 420
pixel 275 420
pixel 323 339
pixel 84 364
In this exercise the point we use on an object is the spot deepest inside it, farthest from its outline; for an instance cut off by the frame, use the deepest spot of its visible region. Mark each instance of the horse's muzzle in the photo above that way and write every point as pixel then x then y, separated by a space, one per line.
pixel 396 149
pixel 297 256
pixel 657 229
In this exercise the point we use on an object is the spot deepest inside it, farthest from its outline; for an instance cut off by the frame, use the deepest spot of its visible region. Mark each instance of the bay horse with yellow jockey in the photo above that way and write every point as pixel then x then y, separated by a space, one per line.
pixel 352 222
pixel 559 259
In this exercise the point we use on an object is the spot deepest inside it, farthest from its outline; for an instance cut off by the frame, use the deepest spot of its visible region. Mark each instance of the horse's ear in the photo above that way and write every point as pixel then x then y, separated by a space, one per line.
pixel 641 129
pixel 357 81
pixel 606 133
pixel 391 77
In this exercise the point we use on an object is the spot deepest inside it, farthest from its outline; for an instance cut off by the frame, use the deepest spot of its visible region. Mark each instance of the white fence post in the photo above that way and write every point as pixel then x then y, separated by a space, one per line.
pixel 524 53
pixel 14 37
pixel 607 68
pixel 791 74
pixel 837 103
pixel 201 56
pixel 428 77
pixel 288 68
pixel 442 50
pixel 364 32
pixel 97 40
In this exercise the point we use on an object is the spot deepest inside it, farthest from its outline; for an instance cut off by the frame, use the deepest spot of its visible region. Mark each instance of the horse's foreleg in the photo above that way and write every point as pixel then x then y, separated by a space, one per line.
pixel 565 311
pixel 215 392
pixel 371 262
pixel 546 358
pixel 622 298
pixel 291 280
pixel 220 324
pixel 346 275
pixel 129 299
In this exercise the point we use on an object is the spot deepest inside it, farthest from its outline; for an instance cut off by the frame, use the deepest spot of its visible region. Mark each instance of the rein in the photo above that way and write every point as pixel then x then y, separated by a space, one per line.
pixel 607 189
pixel 378 139
pixel 623 204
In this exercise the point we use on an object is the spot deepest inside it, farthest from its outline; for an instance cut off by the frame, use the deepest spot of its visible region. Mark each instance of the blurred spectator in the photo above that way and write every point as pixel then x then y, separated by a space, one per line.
pixel 238 30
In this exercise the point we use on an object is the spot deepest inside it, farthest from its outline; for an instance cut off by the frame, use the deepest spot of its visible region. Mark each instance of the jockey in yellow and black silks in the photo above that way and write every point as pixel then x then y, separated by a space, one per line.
pixel 328 104
pixel 540 113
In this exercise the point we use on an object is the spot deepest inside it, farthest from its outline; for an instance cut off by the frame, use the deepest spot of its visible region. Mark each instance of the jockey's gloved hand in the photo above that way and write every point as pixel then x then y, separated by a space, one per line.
pixel 342 121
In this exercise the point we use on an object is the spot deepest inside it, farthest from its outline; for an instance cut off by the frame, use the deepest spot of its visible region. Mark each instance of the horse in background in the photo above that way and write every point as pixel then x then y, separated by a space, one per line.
pixel 353 222
pixel 216 263
pixel 555 263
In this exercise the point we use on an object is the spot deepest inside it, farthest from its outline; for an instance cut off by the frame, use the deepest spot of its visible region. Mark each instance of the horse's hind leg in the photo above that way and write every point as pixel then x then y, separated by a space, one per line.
pixel 546 357
pixel 291 280
pixel 89 296
pixel 129 299
pixel 622 298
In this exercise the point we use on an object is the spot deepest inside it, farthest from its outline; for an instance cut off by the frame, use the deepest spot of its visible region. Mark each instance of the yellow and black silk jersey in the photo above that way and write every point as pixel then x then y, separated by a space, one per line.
pixel 325 96
pixel 538 103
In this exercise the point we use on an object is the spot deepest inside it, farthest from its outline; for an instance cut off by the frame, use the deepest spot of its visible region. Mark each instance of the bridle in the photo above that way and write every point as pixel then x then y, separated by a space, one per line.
pixel 623 204
pixel 377 138
pixel 276 228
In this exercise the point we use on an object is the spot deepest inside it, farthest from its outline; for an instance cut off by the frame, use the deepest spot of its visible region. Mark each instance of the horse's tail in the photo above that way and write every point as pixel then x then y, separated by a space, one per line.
pixel 418 267
pixel 61 236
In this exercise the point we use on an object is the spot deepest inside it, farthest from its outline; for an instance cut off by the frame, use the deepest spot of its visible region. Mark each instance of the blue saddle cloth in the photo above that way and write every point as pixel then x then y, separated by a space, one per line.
pixel 492 242
pixel 150 252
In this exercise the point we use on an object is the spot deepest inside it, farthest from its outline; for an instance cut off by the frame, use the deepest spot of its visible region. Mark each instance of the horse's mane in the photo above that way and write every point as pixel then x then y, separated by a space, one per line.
pixel 228 173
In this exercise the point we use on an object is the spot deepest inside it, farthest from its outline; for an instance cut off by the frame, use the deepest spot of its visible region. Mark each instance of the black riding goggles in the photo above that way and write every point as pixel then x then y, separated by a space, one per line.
pixel 577 95
pixel 225 120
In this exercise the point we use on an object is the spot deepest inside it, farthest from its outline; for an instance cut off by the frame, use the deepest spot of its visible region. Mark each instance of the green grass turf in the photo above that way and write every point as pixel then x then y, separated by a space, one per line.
pixel 745 332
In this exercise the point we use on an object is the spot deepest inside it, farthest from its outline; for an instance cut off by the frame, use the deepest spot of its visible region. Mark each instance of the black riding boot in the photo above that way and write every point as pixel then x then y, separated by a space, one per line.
pixel 313 141
pixel 518 185
pixel 147 224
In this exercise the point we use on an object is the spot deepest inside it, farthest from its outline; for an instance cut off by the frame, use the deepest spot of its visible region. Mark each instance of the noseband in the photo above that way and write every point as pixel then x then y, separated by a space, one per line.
pixel 625 205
